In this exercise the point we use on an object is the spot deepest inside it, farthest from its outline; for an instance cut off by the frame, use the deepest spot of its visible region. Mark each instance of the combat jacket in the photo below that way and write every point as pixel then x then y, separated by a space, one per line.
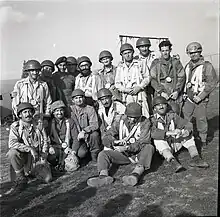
pixel 201 79
pixel 121 129
pixel 167 76
pixel 146 60
pixel 37 94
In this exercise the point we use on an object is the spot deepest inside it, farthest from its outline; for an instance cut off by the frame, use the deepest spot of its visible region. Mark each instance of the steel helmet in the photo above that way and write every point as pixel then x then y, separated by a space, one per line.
pixel 194 47
pixel 71 60
pixel 57 104
pixel 159 100
pixel 32 65
pixel 104 92
pixel 78 92
pixel 47 63
pixel 105 53
pixel 126 46
pixel 133 110
pixel 24 105
pixel 143 41
pixel 83 59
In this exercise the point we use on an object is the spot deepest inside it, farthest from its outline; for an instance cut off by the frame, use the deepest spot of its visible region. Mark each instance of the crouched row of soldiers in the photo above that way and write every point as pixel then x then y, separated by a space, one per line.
pixel 110 109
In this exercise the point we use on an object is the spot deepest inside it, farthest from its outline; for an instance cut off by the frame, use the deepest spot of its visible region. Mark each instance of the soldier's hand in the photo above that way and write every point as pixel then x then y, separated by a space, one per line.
pixel 135 90
pixel 120 142
pixel 128 90
pixel 178 133
pixel 51 150
pixel 165 95
pixel 196 99
pixel 174 95
pixel 81 135
pixel 34 153
pixel 120 148
pixel 185 133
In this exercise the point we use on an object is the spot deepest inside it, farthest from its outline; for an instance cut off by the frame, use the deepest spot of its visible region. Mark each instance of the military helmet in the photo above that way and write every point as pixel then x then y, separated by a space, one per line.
pixel 78 92
pixel 105 53
pixel 133 110
pixel 71 60
pixel 143 41
pixel 57 104
pixel 159 100
pixel 47 63
pixel 60 60
pixel 104 92
pixel 83 59
pixel 126 46
pixel 193 47
pixel 32 65
pixel 24 105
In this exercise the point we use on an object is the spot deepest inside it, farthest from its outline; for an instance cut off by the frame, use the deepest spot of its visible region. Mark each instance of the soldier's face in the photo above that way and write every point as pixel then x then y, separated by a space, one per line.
pixel 127 55
pixel 62 67
pixel 85 67
pixel 71 68
pixel 26 115
pixel 79 100
pixel 34 74
pixel 161 109
pixel 165 52
pixel 106 61
pixel 46 71
pixel 106 101
pixel 144 50
pixel 133 120
pixel 59 113
pixel 195 56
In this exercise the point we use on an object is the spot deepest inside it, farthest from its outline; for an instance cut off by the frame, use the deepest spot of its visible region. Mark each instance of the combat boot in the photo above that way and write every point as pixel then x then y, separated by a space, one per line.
pixel 100 181
pixel 176 165
pixel 198 162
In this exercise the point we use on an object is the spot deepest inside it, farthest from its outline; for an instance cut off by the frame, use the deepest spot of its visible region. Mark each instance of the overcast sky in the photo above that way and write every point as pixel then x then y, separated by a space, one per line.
pixel 48 29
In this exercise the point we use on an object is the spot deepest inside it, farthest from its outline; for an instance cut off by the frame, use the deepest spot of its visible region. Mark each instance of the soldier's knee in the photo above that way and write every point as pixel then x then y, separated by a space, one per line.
pixel 82 152
pixel 94 135
pixel 12 153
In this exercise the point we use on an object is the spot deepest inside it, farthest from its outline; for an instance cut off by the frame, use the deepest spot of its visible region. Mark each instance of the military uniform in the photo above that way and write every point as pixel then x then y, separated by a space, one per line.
pixel 201 79
pixel 168 76
pixel 129 77
pixel 37 94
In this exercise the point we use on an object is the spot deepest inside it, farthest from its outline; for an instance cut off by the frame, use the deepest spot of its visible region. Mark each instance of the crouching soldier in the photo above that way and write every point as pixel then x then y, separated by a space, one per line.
pixel 170 133
pixel 86 120
pixel 28 144
pixel 128 141
pixel 109 110
pixel 63 135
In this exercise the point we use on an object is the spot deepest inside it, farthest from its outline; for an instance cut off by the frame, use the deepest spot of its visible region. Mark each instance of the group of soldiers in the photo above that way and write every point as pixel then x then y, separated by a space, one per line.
pixel 115 115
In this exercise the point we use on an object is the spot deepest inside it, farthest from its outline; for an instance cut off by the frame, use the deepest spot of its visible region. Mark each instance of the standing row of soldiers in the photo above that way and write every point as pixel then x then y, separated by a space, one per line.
pixel 83 110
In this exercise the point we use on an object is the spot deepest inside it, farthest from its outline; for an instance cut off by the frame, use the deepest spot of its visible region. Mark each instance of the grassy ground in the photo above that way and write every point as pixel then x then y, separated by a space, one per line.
pixel 160 193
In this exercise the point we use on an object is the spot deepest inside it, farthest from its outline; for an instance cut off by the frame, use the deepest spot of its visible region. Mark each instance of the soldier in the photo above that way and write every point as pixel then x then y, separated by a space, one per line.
pixel 108 72
pixel 201 79
pixel 168 77
pixel 27 145
pixel 109 109
pixel 146 57
pixel 71 65
pixel 32 90
pixel 128 141
pixel 47 68
pixel 170 133
pixel 64 80
pixel 63 134
pixel 131 79
pixel 88 81
pixel 86 120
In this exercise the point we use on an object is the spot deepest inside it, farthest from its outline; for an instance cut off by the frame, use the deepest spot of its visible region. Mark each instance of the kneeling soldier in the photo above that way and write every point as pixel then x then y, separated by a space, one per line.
pixel 27 145
pixel 170 132
pixel 128 141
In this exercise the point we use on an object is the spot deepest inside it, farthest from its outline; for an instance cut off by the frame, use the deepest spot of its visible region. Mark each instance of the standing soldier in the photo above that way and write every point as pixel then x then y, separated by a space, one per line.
pixel 168 77
pixel 131 79
pixel 201 79
pixel 64 80
pixel 128 141
pixel 86 120
pixel 108 72
pixel 32 90
pixel 108 110
pixel 88 81
pixel 146 57
pixel 47 68
pixel 71 65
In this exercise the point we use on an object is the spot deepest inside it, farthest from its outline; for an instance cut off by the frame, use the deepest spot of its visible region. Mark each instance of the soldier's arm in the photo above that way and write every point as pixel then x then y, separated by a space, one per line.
pixel 74 133
pixel 146 77
pixel 182 123
pixel 118 82
pixel 15 142
pixel 145 137
pixel 93 121
pixel 210 80
pixel 15 96
pixel 181 77
pixel 47 99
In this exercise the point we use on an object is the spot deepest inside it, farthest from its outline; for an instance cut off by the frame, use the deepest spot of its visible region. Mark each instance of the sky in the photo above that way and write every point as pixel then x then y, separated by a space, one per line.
pixel 49 29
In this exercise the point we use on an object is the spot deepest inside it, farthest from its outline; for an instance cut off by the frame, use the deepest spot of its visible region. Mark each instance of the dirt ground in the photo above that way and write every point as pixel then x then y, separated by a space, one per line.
pixel 161 193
